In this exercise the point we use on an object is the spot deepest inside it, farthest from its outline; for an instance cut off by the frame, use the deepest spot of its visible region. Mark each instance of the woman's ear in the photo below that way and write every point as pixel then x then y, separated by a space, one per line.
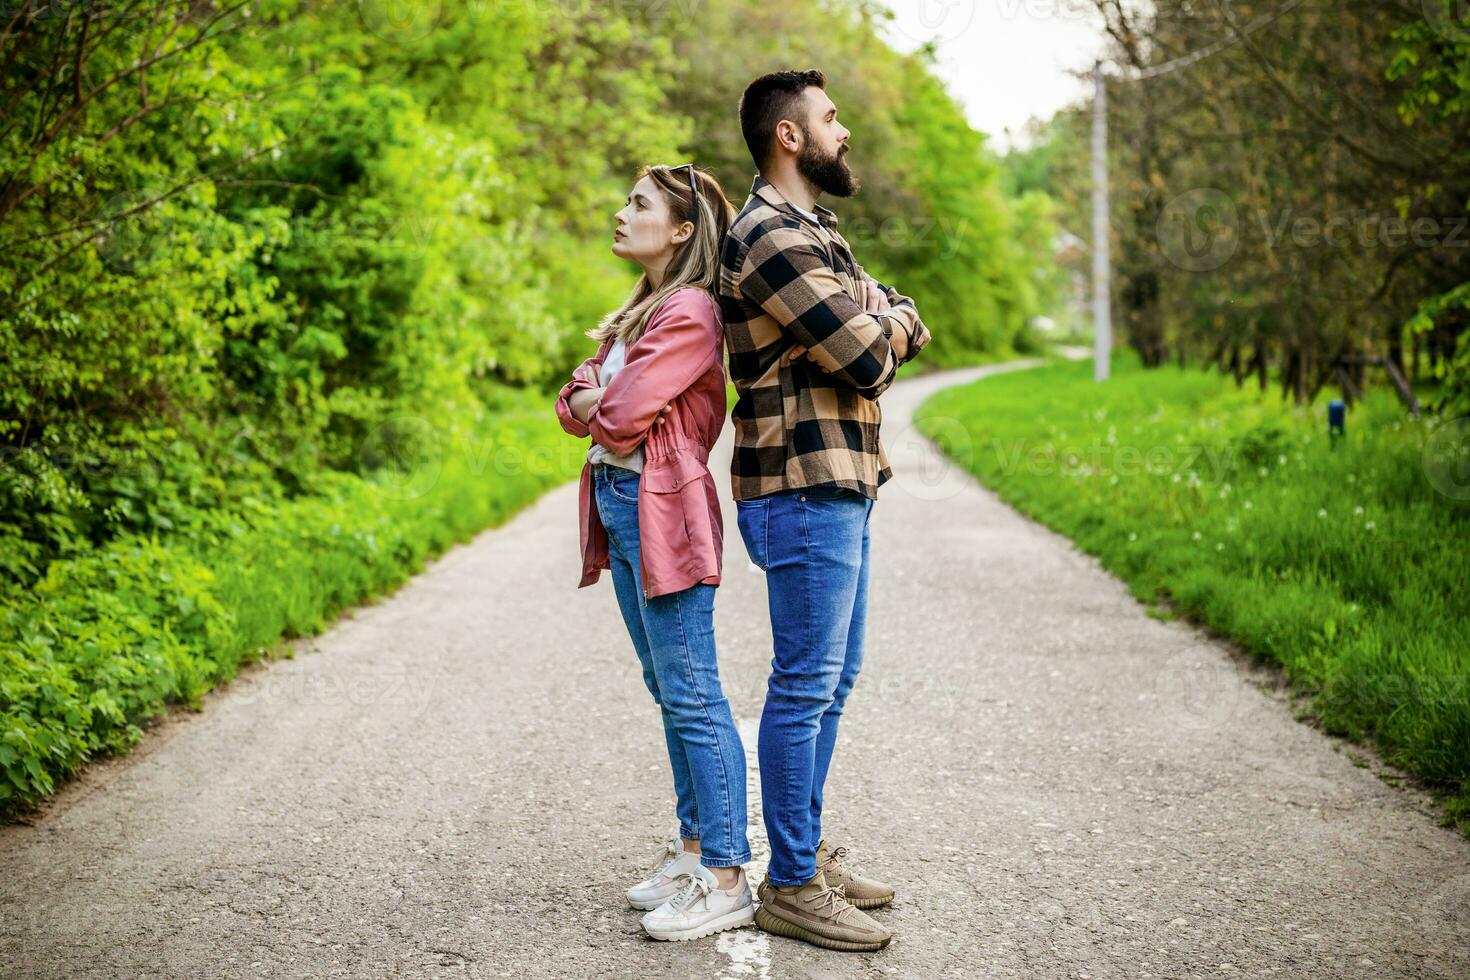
pixel 683 233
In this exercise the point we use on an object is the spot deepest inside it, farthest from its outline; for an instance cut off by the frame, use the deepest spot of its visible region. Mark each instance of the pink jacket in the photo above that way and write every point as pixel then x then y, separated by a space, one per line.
pixel 678 361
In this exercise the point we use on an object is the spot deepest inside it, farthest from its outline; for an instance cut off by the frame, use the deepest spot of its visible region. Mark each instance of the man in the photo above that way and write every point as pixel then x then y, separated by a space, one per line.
pixel 813 341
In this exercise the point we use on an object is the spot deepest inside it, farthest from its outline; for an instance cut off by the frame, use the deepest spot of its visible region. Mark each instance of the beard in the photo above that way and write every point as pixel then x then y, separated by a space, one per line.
pixel 828 174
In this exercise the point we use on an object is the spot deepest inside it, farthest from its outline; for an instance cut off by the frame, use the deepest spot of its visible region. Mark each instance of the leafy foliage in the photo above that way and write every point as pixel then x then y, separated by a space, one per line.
pixel 259 253
pixel 932 216
pixel 104 642
pixel 1292 201
pixel 255 234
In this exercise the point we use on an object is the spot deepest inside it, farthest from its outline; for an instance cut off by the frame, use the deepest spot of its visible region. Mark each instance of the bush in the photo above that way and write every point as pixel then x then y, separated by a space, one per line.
pixel 238 288
pixel 107 641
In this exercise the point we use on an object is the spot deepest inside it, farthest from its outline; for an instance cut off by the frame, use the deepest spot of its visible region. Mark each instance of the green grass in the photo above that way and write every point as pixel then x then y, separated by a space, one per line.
pixel 1345 566
pixel 106 642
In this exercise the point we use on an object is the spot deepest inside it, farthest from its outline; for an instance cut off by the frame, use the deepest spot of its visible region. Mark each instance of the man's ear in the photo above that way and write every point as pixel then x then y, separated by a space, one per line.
pixel 788 135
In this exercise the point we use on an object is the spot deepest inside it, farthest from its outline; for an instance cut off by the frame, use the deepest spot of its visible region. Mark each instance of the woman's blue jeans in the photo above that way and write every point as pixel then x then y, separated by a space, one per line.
pixel 812 544
pixel 674 636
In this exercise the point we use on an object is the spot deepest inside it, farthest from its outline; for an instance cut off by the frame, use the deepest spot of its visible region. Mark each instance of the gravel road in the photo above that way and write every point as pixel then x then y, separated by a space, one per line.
pixel 461 779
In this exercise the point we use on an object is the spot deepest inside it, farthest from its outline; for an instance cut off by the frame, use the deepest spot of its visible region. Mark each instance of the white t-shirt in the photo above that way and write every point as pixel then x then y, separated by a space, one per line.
pixel 808 215
pixel 611 364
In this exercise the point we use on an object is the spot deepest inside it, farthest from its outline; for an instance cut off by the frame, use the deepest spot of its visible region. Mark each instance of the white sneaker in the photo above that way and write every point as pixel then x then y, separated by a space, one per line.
pixel 701 909
pixel 663 884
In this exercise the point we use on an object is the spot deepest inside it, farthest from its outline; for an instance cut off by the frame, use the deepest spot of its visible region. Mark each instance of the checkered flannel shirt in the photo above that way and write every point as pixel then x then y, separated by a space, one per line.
pixel 786 281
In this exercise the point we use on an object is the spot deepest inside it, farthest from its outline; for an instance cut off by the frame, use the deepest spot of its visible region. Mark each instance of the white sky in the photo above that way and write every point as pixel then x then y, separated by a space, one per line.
pixel 1004 60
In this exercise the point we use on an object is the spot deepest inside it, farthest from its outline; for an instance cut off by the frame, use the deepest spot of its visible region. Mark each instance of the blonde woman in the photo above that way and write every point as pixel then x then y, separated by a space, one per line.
pixel 652 399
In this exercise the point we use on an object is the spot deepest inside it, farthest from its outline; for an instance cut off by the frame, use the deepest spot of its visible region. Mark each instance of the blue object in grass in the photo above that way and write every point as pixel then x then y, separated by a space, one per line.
pixel 1336 420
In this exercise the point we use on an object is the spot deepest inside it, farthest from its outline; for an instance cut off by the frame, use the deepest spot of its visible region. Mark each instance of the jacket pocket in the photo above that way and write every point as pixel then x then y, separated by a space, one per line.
pixel 675 535
pixel 671 473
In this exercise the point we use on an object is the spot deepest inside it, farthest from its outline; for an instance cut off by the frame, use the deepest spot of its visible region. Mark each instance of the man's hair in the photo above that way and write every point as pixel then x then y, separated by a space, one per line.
pixel 768 100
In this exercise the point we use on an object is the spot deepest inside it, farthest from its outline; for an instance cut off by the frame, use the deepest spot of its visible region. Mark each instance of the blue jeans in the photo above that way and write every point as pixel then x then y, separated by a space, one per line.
pixel 813 546
pixel 674 636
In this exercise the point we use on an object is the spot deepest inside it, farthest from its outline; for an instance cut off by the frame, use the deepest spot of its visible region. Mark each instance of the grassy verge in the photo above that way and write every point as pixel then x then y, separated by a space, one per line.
pixel 106 642
pixel 1346 566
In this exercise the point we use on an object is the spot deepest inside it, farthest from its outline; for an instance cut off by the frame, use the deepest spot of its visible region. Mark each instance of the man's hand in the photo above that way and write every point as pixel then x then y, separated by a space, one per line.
pixel 878 303
pixel 877 299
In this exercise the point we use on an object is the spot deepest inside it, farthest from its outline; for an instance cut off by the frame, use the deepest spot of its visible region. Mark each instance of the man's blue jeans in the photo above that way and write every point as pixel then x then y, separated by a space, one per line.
pixel 674 637
pixel 813 546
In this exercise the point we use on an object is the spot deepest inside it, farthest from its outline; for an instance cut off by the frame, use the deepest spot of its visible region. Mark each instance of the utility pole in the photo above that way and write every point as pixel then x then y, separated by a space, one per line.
pixel 1102 299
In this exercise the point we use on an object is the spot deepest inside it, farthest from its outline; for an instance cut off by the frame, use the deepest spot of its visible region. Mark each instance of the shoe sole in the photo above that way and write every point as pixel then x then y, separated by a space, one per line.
pixel 777 926
pixel 730 920
pixel 649 906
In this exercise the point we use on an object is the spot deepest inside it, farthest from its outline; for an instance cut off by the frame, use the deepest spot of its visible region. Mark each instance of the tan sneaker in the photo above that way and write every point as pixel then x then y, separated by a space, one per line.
pixel 865 893
pixel 819 914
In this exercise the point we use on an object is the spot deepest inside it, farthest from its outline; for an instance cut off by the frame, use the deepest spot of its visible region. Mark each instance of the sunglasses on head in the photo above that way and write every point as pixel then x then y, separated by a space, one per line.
pixel 693 194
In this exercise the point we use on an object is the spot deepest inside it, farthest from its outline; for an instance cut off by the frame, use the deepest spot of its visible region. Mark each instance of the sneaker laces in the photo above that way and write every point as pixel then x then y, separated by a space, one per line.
pixel 834 856
pixel 695 885
pixel 666 856
pixel 833 899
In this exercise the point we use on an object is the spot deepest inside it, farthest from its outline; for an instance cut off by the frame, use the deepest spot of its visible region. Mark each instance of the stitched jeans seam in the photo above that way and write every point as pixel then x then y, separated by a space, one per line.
pixel 710 723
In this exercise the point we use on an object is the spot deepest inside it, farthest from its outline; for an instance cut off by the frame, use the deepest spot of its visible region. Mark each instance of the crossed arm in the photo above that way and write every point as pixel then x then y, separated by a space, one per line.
pixel 876 302
pixel 583 394
pixel 791 278
pixel 579 394
pixel 681 342
pixel 582 401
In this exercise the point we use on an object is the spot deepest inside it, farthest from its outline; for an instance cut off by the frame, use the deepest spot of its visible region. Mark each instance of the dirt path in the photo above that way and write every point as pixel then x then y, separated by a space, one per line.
pixel 461 781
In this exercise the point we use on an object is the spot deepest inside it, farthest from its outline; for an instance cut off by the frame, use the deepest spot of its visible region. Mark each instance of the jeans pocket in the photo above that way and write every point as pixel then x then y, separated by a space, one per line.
pixel 753 516
pixel 624 489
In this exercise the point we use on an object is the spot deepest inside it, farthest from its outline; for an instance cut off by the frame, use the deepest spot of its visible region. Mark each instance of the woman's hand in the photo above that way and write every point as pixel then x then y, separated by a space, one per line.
pixel 581 402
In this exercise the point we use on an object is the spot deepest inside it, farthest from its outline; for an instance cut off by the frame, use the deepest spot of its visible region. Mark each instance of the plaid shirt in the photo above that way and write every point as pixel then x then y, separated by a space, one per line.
pixel 786 281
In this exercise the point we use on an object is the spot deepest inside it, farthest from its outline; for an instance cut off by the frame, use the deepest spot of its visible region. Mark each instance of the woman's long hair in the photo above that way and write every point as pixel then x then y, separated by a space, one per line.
pixel 696 262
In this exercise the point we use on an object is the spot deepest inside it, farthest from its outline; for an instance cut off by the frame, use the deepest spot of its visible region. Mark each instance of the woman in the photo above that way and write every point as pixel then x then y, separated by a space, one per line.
pixel 653 400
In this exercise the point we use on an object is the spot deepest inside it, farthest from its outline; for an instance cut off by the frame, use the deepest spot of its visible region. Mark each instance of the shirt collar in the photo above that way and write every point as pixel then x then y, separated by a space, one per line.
pixel 767 192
